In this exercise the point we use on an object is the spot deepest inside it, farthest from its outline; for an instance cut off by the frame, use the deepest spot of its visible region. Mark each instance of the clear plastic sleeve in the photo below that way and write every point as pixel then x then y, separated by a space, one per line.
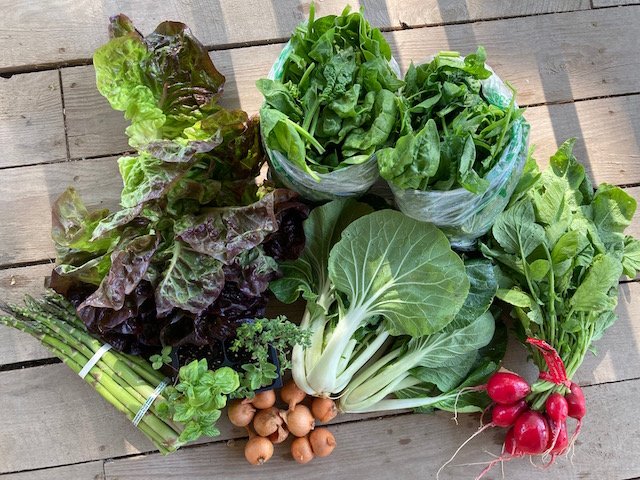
pixel 349 181
pixel 464 216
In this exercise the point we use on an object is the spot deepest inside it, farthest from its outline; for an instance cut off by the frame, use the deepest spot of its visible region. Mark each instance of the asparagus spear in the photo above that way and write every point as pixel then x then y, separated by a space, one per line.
pixel 124 381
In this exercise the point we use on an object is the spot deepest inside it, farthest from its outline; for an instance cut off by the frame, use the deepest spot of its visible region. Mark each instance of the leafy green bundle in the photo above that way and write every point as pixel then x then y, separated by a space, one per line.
pixel 369 277
pixel 561 250
pixel 190 254
pixel 332 102
pixel 451 134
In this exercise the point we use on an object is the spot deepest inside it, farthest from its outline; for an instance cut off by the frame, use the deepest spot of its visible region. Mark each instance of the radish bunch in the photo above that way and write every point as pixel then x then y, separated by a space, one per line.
pixel 530 431
pixel 533 432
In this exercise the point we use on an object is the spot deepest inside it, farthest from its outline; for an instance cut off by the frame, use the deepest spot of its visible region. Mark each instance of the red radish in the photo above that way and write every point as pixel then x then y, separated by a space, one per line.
pixel 557 408
pixel 562 440
pixel 509 452
pixel 557 411
pixel 505 415
pixel 510 445
pixel 577 408
pixel 531 432
pixel 575 401
pixel 507 388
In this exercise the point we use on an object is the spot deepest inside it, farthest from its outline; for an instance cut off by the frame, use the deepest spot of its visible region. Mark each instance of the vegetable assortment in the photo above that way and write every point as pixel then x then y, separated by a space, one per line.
pixel 334 103
pixel 177 280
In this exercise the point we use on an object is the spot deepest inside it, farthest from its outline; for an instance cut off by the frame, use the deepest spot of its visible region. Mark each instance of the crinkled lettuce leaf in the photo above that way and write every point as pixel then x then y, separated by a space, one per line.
pixel 164 82
pixel 196 242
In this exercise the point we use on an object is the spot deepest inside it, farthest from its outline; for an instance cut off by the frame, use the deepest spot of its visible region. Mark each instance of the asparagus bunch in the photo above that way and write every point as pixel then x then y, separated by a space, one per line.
pixel 125 381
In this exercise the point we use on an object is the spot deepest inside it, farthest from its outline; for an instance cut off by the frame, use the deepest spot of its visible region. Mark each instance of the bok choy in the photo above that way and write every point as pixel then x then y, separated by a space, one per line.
pixel 425 371
pixel 366 277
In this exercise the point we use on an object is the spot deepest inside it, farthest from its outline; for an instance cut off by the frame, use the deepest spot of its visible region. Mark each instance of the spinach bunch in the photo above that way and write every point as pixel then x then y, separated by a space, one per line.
pixel 561 249
pixel 334 103
pixel 451 135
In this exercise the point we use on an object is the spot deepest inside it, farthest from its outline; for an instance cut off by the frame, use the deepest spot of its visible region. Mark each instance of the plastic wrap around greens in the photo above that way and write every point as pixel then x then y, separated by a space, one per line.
pixel 190 254
pixel 462 147
pixel 330 103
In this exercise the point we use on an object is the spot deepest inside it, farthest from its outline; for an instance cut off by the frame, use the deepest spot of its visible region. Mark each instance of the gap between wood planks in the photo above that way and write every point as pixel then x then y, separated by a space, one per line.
pixel 64 115
pixel 278 40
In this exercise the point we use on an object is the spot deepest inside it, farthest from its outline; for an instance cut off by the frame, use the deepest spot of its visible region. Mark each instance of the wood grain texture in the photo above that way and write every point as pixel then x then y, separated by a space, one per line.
pixel 43 32
pixel 415 446
pixel 74 424
pixel 82 471
pixel 613 3
pixel 607 132
pixel 93 127
pixel 15 283
pixel 52 411
pixel 26 216
pixel 31 121
pixel 550 58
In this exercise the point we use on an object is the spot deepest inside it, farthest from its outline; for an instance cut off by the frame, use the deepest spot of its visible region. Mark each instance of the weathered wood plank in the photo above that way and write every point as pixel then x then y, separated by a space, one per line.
pixel 613 3
pixel 72 403
pixel 74 425
pixel 93 127
pixel 31 121
pixel 415 446
pixel 52 412
pixel 27 194
pixel 548 58
pixel 82 471
pixel 33 33
pixel 16 346
pixel 592 59
pixel 26 217
pixel 607 132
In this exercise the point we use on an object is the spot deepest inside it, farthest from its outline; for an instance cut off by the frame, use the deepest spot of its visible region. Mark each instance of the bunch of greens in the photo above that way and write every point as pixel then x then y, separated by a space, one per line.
pixel 561 250
pixel 260 338
pixel 334 103
pixel 434 371
pixel 367 277
pixel 451 135
pixel 190 254
pixel 197 399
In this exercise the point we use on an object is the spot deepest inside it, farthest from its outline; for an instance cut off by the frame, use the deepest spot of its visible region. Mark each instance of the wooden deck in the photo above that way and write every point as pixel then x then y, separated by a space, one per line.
pixel 576 65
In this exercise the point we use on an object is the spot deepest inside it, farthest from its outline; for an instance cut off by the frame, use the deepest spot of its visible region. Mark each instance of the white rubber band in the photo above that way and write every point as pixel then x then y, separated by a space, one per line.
pixel 147 405
pixel 93 360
